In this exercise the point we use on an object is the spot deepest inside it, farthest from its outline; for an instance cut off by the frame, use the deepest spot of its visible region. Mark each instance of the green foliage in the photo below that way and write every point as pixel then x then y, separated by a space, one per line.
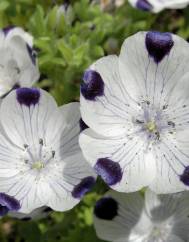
pixel 67 43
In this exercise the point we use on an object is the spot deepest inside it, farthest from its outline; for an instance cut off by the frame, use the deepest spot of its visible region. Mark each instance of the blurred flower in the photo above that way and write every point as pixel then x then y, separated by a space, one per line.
pixel 36 214
pixel 129 217
pixel 18 65
pixel 137 109
pixel 157 6
pixel 41 163
pixel 108 5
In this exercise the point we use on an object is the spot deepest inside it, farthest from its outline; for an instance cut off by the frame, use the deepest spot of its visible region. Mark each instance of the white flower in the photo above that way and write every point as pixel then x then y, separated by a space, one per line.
pixel 137 108
pixel 41 163
pixel 158 5
pixel 36 214
pixel 18 65
pixel 122 217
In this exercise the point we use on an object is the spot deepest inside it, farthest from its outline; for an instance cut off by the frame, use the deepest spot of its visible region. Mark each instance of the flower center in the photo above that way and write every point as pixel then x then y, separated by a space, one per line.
pixel 38 156
pixel 152 123
pixel 160 232
pixel 151 126
pixel 38 165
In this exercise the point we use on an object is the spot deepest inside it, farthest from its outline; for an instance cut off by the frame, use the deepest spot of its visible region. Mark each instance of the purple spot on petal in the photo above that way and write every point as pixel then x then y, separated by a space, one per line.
pixel 185 176
pixel 28 96
pixel 109 170
pixel 106 208
pixel 10 202
pixel 84 186
pixel 3 210
pixel 93 85
pixel 144 5
pixel 7 29
pixel 158 45
pixel 82 125
pixel 32 54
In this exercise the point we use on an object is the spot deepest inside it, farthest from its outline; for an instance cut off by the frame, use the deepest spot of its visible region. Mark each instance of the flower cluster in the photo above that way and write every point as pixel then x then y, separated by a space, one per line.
pixel 132 132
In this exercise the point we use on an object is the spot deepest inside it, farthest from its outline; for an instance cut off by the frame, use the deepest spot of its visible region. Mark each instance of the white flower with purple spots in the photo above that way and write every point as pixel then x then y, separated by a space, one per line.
pixel 122 217
pixel 137 108
pixel 158 5
pixel 18 65
pixel 41 163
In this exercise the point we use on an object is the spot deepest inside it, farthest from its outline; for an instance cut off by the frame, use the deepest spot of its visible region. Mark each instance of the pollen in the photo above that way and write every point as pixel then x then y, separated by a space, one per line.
pixel 151 126
pixel 38 165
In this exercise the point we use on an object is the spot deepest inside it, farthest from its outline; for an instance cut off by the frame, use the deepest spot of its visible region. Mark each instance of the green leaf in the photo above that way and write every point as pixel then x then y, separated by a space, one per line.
pixel 29 231
pixel 52 18
pixel 65 50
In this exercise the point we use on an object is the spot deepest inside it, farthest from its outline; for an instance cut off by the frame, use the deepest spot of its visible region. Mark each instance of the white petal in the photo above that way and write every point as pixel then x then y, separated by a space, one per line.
pixel 25 124
pixel 20 52
pixel 151 64
pixel 17 31
pixel 129 224
pixel 177 109
pixel 110 113
pixel 171 160
pixel 170 209
pixel 27 189
pixel 63 129
pixel 180 218
pixel 69 182
pixel 160 207
pixel 122 162
pixel 174 238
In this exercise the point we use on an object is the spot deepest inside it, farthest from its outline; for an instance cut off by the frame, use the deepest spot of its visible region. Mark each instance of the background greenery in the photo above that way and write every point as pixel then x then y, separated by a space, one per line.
pixel 67 42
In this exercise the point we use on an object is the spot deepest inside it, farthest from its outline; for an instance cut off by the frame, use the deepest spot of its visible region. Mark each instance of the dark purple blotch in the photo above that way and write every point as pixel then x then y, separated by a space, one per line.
pixel 185 176
pixel 28 96
pixel 83 125
pixel 3 210
pixel 106 208
pixel 144 5
pixel 109 170
pixel 7 29
pixel 8 203
pixel 158 45
pixel 93 85
pixel 83 187
pixel 32 54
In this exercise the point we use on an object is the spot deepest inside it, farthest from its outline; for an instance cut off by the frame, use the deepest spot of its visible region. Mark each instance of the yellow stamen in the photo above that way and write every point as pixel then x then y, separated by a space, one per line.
pixel 151 126
pixel 38 165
